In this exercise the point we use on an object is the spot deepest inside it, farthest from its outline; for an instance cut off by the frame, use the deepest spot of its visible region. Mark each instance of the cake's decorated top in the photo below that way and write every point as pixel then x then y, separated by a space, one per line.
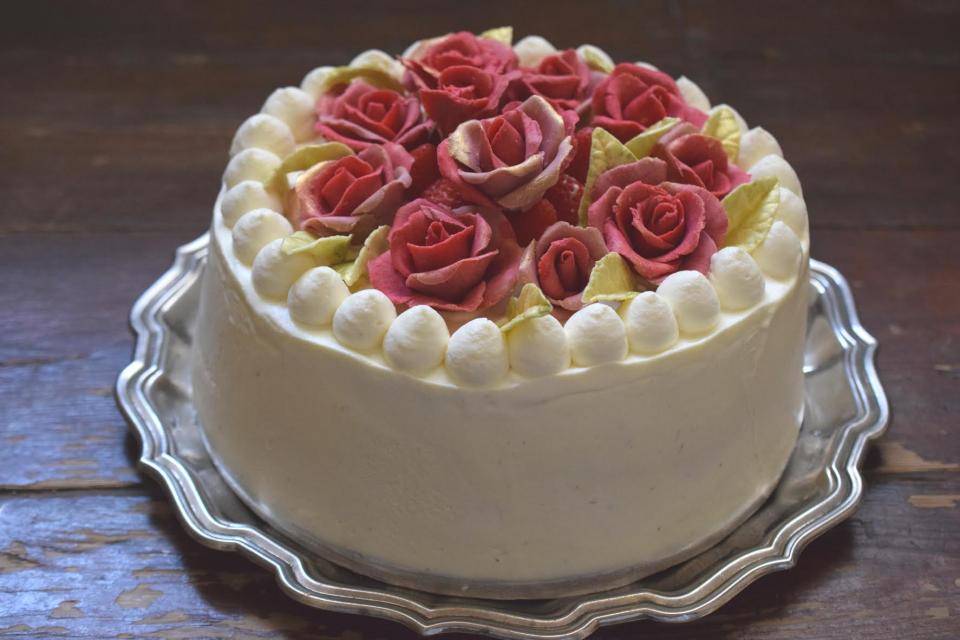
pixel 532 190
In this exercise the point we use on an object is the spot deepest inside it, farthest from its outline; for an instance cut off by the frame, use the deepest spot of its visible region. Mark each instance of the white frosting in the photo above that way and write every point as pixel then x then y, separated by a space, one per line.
pixel 312 83
pixel 776 167
pixel 646 65
pixel 532 50
pixel 255 229
pixel 736 115
pixel 792 210
pixel 250 164
pixel 380 60
pixel 362 320
pixel 693 94
pixel 693 300
pixel 754 145
pixel 585 51
pixel 316 295
pixel 477 354
pixel 275 271
pixel 780 253
pixel 737 279
pixel 263 131
pixel 416 341
pixel 247 196
pixel 294 107
pixel 538 347
pixel 650 324
pixel 596 335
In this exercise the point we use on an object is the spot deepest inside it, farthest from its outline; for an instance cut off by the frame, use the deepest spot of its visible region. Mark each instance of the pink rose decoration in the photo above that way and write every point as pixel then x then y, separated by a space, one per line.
pixel 560 262
pixel 563 78
pixel 659 227
pixel 511 160
pixel 693 158
pixel 463 260
pixel 461 94
pixel 363 116
pixel 353 194
pixel 632 98
pixel 462 49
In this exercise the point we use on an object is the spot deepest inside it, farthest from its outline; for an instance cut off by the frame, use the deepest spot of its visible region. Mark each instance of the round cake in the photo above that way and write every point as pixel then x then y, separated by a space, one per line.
pixel 500 319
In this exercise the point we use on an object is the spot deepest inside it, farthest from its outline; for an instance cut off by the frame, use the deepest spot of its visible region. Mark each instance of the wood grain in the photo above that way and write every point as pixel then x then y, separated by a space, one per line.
pixel 114 123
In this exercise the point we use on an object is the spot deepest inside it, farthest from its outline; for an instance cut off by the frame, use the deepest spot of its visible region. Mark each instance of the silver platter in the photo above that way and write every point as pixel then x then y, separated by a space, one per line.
pixel 845 408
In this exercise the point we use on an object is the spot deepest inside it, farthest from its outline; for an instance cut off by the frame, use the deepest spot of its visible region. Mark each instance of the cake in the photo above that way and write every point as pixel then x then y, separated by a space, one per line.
pixel 500 319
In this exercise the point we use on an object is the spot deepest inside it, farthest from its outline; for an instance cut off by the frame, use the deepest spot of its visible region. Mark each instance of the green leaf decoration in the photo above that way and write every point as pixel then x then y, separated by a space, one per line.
pixel 612 280
pixel 325 251
pixel 750 209
pixel 375 244
pixel 373 74
pixel 500 34
pixel 606 152
pixel 641 144
pixel 722 125
pixel 304 158
pixel 594 60
pixel 531 303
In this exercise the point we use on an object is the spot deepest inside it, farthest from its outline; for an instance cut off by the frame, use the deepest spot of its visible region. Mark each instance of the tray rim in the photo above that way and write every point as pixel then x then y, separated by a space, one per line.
pixel 483 616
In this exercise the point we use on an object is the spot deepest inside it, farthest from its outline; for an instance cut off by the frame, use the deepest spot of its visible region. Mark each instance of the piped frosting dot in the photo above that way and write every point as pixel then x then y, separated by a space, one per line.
pixel 362 320
pixel 245 197
pixel 587 51
pixel 693 299
pixel 316 296
pixel 255 229
pixel 275 271
pixel 736 116
pixel 295 108
pixel 379 60
pixel 776 167
pixel 754 145
pixel 693 94
pixel 737 279
pixel 262 131
pixel 250 164
pixel 650 324
pixel 538 347
pixel 793 212
pixel 780 253
pixel 531 50
pixel 417 340
pixel 312 83
pixel 596 335
pixel 477 354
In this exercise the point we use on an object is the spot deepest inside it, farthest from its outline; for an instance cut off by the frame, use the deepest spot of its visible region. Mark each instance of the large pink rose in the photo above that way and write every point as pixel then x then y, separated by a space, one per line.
pixel 511 160
pixel 428 60
pixel 462 260
pixel 560 262
pixel 363 115
pixel 632 98
pixel 659 227
pixel 693 158
pixel 461 94
pixel 354 194
pixel 563 78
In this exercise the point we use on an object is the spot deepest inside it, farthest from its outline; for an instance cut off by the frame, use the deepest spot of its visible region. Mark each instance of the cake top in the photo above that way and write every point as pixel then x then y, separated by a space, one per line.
pixel 470 178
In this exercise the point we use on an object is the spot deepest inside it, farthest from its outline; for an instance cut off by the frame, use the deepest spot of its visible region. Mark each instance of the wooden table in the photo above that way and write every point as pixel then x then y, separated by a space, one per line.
pixel 114 124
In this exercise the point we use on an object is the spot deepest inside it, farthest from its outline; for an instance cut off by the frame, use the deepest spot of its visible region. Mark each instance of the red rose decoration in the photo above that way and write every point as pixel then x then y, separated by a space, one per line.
pixel 363 116
pixel 632 98
pixel 354 194
pixel 659 227
pixel 563 78
pixel 462 260
pixel 511 160
pixel 560 262
pixel 693 158
pixel 463 49
pixel 461 94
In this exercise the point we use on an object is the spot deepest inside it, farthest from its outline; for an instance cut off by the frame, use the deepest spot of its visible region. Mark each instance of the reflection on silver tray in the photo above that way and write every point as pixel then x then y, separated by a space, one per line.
pixel 845 407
